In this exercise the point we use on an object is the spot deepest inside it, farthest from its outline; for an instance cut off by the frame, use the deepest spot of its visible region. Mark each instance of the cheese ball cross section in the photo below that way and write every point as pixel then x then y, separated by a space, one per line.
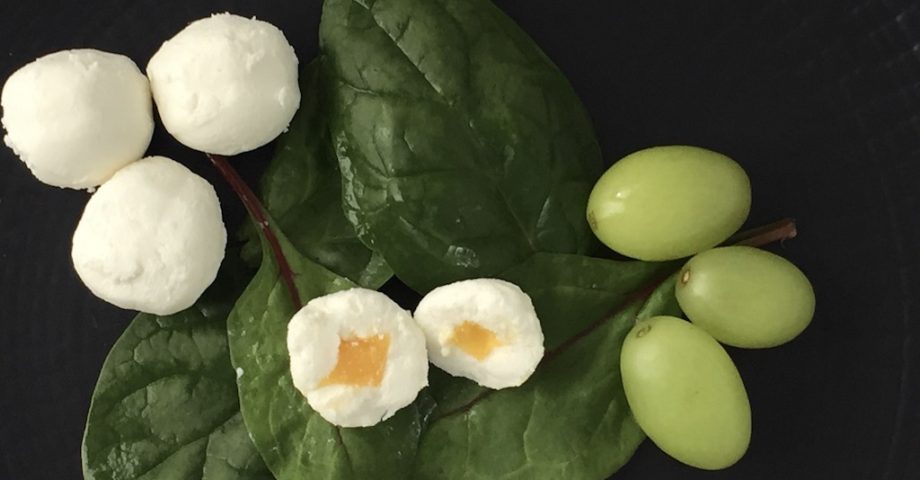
pixel 356 356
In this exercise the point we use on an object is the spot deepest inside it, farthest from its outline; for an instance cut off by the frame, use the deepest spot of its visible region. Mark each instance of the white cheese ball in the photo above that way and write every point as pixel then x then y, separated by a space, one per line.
pixel 225 84
pixel 484 329
pixel 75 117
pixel 151 238
pixel 356 356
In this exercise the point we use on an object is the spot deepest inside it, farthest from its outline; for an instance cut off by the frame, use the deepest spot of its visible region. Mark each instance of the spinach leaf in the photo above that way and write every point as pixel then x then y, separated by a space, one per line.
pixel 293 439
pixel 302 190
pixel 165 405
pixel 463 152
pixel 570 419
pixel 462 148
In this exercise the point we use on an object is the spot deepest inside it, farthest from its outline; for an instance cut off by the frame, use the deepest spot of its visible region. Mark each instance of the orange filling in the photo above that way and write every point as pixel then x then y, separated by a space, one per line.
pixel 475 340
pixel 361 362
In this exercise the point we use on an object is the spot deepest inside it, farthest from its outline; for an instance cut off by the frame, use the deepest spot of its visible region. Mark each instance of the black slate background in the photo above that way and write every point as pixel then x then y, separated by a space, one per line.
pixel 819 101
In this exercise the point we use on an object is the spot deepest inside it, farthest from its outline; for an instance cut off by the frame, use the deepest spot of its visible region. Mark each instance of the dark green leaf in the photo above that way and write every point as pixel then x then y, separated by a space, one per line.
pixel 463 153
pixel 302 191
pixel 165 405
pixel 294 440
pixel 570 419
pixel 463 149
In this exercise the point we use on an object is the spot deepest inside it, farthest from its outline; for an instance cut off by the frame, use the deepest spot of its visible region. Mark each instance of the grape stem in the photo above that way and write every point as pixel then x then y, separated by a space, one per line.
pixel 257 212
pixel 778 231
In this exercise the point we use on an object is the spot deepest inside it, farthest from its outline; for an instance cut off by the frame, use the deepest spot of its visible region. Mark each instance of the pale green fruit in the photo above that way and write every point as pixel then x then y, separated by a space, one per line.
pixel 746 297
pixel 669 202
pixel 686 393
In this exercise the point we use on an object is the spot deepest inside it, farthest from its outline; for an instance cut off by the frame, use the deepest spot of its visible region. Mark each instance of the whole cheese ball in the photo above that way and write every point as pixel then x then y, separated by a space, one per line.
pixel 225 84
pixel 151 238
pixel 76 116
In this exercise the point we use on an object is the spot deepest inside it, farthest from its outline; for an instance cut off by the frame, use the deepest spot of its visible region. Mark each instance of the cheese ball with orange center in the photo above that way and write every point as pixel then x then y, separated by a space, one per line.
pixel 356 356
pixel 483 329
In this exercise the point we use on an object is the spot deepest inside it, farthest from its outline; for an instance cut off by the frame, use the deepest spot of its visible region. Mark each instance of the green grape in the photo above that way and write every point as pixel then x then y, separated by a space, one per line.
pixel 686 393
pixel 670 202
pixel 746 297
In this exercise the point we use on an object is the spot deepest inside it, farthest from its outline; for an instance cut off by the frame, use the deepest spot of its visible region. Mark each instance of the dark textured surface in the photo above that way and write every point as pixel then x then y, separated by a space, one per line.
pixel 819 101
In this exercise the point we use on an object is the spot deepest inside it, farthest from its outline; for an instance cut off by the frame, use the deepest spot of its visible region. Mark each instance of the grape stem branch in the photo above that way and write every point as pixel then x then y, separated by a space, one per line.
pixel 778 231
pixel 257 212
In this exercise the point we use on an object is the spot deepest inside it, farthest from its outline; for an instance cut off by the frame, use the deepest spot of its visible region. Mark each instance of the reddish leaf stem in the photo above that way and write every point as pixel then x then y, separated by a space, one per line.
pixel 257 212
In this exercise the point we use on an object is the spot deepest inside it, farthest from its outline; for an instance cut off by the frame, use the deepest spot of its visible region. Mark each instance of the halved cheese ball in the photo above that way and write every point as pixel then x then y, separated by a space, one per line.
pixel 151 238
pixel 75 117
pixel 225 84
pixel 484 329
pixel 356 356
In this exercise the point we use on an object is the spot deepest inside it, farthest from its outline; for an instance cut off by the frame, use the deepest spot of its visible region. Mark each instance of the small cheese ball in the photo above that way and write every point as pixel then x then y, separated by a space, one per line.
pixel 484 329
pixel 151 238
pixel 75 117
pixel 356 356
pixel 225 84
